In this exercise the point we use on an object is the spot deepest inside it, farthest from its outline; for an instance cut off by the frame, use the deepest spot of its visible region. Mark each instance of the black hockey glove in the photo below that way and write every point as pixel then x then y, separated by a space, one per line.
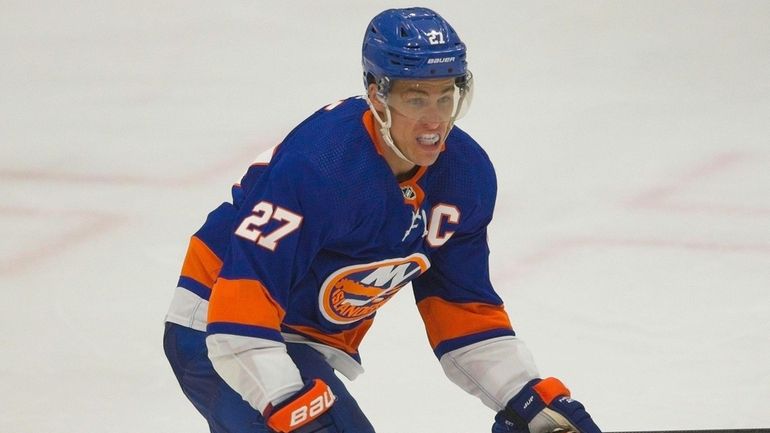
pixel 544 406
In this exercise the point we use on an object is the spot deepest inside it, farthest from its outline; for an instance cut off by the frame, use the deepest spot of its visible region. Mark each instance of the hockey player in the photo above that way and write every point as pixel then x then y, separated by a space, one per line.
pixel 368 194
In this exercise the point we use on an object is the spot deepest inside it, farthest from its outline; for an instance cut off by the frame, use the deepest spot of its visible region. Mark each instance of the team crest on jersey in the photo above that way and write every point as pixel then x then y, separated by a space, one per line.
pixel 356 292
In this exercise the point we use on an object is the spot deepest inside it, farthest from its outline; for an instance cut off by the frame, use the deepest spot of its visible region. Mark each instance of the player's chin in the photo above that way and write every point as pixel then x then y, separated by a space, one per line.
pixel 426 154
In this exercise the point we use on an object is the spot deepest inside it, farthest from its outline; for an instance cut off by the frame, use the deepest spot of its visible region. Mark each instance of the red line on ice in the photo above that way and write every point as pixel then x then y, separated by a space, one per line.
pixel 94 224
pixel 662 197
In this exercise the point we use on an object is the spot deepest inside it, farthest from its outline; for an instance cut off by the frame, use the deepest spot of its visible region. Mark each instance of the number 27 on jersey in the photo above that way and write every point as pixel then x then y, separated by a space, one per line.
pixel 262 213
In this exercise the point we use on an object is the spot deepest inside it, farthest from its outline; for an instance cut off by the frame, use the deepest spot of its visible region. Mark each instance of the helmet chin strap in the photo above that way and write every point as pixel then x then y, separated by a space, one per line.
pixel 385 129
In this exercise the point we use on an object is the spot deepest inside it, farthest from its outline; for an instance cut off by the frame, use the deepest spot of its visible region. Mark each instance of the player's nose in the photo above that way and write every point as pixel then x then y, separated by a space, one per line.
pixel 431 118
pixel 431 122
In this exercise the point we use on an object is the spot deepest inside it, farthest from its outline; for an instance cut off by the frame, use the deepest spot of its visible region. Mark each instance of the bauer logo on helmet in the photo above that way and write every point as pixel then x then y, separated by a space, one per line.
pixel 441 60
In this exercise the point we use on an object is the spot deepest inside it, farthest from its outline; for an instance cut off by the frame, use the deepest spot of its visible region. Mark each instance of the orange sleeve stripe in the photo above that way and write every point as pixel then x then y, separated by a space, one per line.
pixel 200 263
pixel 244 302
pixel 446 320
pixel 550 388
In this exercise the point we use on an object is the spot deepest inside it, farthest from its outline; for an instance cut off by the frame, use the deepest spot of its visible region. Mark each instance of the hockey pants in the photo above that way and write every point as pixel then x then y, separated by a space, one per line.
pixel 224 409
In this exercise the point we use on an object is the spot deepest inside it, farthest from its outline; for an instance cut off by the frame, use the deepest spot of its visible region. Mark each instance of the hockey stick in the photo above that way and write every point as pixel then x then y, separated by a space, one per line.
pixel 745 430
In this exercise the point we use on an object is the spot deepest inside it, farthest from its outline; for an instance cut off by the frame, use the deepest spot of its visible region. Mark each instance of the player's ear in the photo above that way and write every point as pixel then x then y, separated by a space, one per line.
pixel 372 94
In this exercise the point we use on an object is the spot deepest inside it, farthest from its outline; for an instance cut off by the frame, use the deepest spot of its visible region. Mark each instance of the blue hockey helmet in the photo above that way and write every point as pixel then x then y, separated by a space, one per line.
pixel 412 43
pixel 417 46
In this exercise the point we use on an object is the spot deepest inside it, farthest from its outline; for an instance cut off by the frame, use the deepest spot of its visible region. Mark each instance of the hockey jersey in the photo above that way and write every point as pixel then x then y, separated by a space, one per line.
pixel 320 234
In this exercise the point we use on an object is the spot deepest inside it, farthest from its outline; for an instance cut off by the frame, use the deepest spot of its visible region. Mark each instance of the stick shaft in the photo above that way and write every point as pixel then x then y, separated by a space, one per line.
pixel 745 430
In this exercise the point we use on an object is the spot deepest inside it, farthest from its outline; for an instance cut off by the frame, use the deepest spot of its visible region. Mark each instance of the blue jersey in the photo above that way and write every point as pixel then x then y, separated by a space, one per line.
pixel 320 234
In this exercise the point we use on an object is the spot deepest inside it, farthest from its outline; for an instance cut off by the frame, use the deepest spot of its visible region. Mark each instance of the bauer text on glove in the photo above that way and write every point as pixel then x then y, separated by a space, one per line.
pixel 305 412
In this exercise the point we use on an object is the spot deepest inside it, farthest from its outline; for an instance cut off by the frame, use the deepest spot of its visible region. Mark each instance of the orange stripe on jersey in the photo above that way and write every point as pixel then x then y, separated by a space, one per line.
pixel 245 302
pixel 445 320
pixel 368 120
pixel 200 263
pixel 347 341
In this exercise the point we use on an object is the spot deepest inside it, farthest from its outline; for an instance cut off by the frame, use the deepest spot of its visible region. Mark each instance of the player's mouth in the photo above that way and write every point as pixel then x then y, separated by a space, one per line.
pixel 428 139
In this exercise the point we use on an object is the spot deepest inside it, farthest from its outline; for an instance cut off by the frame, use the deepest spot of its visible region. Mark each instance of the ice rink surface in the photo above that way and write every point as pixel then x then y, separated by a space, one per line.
pixel 631 242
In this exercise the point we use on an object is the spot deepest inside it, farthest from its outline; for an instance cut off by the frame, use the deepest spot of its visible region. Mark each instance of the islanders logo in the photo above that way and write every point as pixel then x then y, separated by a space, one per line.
pixel 356 292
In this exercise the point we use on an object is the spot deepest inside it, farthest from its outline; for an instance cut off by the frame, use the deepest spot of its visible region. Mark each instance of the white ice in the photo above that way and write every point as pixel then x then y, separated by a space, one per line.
pixel 631 242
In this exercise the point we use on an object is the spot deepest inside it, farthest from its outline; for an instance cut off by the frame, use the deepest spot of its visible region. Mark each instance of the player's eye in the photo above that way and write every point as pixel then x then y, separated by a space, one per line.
pixel 445 100
pixel 417 102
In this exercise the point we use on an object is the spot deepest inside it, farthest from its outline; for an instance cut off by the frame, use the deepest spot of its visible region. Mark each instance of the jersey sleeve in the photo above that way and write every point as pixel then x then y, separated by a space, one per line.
pixel 455 296
pixel 467 325
pixel 281 224
pixel 209 244
pixel 206 251
pixel 204 258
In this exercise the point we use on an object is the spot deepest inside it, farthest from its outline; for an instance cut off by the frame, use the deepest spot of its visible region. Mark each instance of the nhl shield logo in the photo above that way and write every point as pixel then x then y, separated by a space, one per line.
pixel 408 192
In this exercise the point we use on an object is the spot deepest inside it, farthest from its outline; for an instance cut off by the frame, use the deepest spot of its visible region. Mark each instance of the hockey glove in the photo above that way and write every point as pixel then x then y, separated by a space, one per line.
pixel 544 406
pixel 305 412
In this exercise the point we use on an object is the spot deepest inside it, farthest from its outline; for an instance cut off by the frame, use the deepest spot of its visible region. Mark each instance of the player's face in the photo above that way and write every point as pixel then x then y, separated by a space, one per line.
pixel 421 112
